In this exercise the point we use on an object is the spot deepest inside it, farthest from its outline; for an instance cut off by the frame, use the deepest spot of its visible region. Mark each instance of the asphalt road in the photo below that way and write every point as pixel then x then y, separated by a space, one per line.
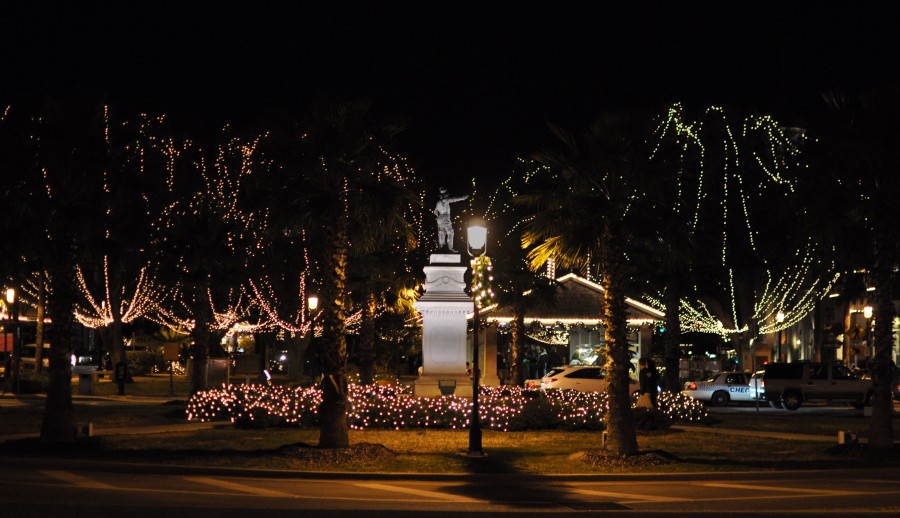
pixel 36 487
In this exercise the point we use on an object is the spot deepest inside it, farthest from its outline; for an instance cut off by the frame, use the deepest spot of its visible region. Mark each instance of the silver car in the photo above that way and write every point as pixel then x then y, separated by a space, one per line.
pixel 721 388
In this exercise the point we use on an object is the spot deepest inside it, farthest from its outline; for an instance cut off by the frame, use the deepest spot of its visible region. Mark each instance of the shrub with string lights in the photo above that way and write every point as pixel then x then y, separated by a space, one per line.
pixel 381 406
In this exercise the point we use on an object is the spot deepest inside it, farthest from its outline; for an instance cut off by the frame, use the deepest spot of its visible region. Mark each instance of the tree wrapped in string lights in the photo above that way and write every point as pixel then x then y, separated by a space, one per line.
pixel 735 191
pixel 513 283
pixel 204 239
pixel 116 279
pixel 329 184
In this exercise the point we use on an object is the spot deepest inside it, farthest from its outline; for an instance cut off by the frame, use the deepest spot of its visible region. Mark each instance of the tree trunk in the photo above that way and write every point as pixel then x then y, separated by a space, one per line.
pixel 58 424
pixel 672 340
pixel 881 435
pixel 39 325
pixel 333 431
pixel 621 436
pixel 518 339
pixel 366 350
pixel 296 347
pixel 201 336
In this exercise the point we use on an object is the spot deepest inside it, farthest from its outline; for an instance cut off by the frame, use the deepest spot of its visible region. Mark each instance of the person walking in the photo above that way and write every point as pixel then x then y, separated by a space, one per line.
pixel 649 379
pixel 542 363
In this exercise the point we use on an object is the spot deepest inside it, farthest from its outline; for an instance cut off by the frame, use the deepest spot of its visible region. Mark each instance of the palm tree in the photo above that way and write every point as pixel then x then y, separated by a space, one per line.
pixel 517 286
pixel 579 209
pixel 855 153
pixel 343 161
pixel 381 241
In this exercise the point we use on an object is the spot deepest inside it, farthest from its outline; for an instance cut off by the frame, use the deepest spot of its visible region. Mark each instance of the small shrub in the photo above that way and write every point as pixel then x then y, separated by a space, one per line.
pixel 537 414
pixel 259 417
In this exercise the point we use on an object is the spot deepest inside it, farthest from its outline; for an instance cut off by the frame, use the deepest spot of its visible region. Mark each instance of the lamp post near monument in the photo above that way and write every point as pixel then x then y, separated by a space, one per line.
pixel 477 246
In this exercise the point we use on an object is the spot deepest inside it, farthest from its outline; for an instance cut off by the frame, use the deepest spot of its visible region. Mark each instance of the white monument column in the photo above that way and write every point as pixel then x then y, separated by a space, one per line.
pixel 444 308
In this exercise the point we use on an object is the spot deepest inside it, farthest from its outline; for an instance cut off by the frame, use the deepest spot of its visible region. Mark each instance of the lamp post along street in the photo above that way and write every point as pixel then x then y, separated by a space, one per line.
pixel 12 305
pixel 477 241
pixel 780 319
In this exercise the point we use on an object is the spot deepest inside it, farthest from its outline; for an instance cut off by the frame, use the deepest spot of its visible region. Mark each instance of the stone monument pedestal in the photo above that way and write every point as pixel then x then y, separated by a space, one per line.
pixel 444 308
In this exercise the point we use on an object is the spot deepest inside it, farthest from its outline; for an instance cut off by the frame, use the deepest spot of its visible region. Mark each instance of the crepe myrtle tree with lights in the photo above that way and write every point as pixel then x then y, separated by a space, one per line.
pixel 737 185
pixel 116 280
pixel 204 239
pixel 35 293
pixel 57 154
pixel 579 200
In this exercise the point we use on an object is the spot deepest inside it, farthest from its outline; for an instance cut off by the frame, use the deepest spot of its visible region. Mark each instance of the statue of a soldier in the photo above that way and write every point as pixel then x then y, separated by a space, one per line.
pixel 444 223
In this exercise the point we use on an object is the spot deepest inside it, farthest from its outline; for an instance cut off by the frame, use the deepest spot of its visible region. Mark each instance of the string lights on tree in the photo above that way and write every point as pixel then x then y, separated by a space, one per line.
pixel 743 167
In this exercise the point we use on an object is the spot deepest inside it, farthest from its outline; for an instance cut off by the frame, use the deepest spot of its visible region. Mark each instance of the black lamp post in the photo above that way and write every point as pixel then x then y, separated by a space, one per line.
pixel 780 319
pixel 477 246
pixel 13 306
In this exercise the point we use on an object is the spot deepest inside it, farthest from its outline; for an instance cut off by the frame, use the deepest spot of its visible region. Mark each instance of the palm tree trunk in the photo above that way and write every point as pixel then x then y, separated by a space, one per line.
pixel 621 436
pixel 334 432
pixel 58 424
pixel 881 435
pixel 518 337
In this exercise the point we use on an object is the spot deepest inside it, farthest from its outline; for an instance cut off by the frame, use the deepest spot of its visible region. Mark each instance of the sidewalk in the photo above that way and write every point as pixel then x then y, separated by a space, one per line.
pixel 132 430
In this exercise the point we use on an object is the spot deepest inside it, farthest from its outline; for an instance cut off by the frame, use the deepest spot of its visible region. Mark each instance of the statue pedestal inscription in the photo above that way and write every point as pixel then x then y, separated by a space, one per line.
pixel 444 307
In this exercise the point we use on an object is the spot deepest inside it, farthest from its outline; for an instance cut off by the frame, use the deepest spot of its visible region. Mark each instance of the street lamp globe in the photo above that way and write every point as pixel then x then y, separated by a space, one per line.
pixel 312 302
pixel 477 238
pixel 10 295
pixel 780 317
pixel 867 311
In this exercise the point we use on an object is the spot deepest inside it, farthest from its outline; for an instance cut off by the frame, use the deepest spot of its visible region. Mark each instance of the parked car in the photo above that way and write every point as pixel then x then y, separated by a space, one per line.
pixel 792 384
pixel 720 388
pixel 584 378
pixel 536 383
pixel 756 384
pixel 896 384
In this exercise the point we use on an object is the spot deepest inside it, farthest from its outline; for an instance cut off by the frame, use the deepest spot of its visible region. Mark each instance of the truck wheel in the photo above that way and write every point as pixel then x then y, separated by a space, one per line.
pixel 720 398
pixel 791 400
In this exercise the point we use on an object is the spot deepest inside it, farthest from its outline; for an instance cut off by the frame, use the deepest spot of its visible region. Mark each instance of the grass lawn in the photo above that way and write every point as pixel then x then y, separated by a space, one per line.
pixel 793 422
pixel 439 451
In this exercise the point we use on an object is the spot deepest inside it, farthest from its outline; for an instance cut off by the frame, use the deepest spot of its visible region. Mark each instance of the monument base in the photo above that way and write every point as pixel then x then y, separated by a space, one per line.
pixel 490 381
pixel 435 385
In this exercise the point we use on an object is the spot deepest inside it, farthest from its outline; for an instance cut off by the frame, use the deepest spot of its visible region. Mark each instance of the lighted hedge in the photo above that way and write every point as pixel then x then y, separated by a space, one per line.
pixel 380 406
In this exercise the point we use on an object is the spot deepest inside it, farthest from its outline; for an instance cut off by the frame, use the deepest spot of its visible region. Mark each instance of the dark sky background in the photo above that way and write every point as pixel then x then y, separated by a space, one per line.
pixel 474 83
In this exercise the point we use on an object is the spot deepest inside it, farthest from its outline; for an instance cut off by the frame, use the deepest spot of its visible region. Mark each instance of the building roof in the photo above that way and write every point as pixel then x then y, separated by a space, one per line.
pixel 578 301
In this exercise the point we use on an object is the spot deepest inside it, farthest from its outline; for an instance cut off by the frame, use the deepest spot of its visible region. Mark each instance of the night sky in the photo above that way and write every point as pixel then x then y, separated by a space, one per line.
pixel 475 83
